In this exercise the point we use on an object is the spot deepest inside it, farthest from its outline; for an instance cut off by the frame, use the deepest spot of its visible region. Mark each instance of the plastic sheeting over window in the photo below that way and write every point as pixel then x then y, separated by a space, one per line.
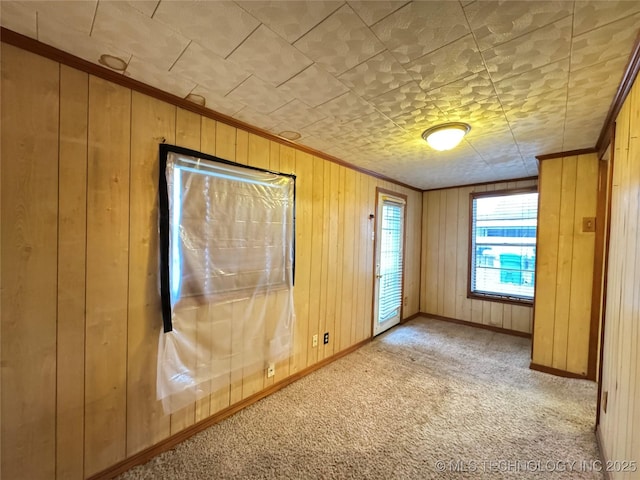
pixel 226 273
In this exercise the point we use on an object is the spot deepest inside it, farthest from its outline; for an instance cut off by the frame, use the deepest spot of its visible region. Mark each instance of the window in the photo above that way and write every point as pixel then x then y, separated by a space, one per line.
pixel 503 245
pixel 226 229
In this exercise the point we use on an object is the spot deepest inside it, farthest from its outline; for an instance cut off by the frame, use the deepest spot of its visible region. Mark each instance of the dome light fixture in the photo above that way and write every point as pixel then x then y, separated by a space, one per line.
pixel 446 136
pixel 197 99
pixel 289 135
pixel 115 63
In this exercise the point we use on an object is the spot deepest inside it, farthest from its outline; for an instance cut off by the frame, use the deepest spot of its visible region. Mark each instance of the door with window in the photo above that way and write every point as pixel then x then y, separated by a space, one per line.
pixel 389 261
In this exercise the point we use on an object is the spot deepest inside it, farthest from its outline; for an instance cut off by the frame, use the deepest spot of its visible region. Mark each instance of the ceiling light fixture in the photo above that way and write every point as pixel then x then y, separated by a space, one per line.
pixel 289 135
pixel 446 136
pixel 112 62
pixel 197 99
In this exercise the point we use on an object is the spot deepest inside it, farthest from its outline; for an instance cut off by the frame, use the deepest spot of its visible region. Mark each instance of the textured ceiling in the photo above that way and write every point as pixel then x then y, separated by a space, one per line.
pixel 361 80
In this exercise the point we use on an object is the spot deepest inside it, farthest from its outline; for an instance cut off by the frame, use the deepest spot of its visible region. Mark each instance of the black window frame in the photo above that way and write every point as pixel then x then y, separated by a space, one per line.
pixel 165 224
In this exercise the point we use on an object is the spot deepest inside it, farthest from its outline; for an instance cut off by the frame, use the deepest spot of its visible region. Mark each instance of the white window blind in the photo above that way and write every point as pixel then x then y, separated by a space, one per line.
pixel 503 245
pixel 391 253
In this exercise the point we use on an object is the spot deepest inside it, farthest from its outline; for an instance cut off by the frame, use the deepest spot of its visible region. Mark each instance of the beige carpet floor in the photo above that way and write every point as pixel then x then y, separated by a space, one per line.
pixel 427 399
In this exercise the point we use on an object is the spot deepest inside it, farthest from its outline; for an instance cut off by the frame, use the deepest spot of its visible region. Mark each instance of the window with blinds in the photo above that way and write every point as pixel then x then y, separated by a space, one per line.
pixel 390 296
pixel 503 244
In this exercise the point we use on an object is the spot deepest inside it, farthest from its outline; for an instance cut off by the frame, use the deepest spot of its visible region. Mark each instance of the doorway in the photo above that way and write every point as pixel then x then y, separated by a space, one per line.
pixel 389 260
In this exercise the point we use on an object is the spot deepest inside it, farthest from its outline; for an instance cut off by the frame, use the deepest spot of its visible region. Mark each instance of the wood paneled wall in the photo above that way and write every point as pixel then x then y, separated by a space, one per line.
pixel 564 277
pixel 445 261
pixel 80 304
pixel 620 413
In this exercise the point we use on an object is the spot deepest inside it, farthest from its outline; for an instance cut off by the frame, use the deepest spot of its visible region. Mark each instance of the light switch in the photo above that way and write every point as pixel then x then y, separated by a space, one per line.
pixel 589 224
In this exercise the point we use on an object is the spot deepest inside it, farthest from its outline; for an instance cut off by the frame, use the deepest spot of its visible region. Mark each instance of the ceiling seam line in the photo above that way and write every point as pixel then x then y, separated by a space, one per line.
pixel 156 9
pixel 608 23
pixel 93 20
pixel 244 40
pixel 566 101
pixel 493 85
pixel 318 24
pixel 528 32
pixel 180 56
pixel 388 15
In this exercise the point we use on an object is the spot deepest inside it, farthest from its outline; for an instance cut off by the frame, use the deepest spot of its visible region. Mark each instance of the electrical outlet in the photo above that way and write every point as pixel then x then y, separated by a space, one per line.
pixel 326 338
pixel 271 371
pixel 406 301
pixel 314 341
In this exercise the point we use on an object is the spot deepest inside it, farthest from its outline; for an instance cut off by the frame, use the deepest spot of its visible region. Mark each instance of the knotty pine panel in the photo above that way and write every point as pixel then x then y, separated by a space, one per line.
pixel 72 239
pixel 107 274
pixel 29 190
pixel 147 423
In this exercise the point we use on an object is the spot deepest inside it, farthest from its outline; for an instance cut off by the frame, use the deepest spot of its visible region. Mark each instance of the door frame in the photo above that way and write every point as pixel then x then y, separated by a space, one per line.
pixel 602 317
pixel 380 190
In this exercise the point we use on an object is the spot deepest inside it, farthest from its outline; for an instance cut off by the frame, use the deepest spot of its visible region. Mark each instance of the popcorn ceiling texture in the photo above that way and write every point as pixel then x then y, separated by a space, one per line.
pixel 424 392
pixel 538 76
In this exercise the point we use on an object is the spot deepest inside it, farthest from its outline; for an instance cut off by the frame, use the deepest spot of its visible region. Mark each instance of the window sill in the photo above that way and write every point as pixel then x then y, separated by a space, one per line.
pixel 499 299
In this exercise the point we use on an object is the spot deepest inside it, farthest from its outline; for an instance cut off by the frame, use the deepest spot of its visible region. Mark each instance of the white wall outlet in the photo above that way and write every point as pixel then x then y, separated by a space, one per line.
pixel 271 370
pixel 314 340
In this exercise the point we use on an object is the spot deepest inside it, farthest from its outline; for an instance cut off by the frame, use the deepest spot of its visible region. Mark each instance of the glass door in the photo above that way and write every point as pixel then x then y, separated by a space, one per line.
pixel 389 265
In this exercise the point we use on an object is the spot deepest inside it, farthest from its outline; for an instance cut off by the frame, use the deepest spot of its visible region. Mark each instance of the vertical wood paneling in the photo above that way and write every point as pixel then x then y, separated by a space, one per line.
pixel 151 120
pixel 332 293
pixel 463 304
pixel 442 260
pixel 364 275
pixel 324 272
pixel 450 251
pixel 30 86
pixel 621 352
pixel 242 147
pixel 412 254
pixel 568 193
pixel 107 274
pixel 274 157
pixel 221 336
pixel 255 323
pixel 371 210
pixel 431 247
pixel 346 317
pixel 521 318
pixel 424 258
pixel 188 133
pixel 316 264
pixel 93 267
pixel 583 255
pixel 445 261
pixel 253 320
pixel 547 260
pixel 258 153
pixel 72 232
pixel 304 201
pixel 564 258
pixel 287 165
pixel 204 326
pixel 357 247
pixel 226 142
pixel 236 347
pixel 340 256
pixel 611 350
